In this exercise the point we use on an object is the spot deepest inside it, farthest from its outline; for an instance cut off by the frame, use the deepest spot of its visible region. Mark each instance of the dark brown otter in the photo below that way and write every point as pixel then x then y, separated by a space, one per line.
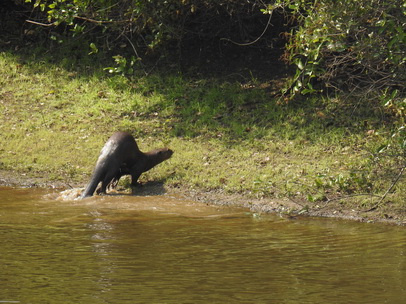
pixel 121 156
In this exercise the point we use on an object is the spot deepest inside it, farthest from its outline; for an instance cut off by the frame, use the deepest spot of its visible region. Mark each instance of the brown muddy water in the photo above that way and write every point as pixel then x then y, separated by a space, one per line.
pixel 129 249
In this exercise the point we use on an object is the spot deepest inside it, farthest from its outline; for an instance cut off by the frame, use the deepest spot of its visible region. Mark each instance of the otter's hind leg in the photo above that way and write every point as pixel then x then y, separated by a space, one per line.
pixel 106 181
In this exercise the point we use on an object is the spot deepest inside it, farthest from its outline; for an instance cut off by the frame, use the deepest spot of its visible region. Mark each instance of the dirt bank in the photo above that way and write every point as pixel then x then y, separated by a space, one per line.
pixel 284 207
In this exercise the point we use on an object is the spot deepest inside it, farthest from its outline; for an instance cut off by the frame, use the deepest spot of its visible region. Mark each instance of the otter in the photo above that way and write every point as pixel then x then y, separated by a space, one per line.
pixel 121 156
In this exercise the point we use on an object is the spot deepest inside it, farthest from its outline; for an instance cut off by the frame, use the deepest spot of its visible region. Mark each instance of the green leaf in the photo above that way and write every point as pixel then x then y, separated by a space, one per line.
pixel 300 64
pixel 94 49
pixel 382 148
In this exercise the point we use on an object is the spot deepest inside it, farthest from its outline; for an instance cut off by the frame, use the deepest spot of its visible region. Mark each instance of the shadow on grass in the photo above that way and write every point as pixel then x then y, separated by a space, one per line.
pixel 230 99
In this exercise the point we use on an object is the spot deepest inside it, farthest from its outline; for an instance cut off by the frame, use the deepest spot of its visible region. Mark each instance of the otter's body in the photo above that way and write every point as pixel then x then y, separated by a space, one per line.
pixel 120 156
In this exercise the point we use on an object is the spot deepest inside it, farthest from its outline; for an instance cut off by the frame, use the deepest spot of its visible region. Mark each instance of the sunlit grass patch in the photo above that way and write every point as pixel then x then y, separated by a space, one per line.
pixel 225 137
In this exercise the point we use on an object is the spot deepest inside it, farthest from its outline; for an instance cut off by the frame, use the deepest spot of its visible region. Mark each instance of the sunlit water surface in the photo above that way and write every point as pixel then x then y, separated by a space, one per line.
pixel 128 249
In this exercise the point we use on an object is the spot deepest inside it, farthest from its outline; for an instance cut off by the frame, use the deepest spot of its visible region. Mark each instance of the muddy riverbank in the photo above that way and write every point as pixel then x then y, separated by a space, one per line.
pixel 284 207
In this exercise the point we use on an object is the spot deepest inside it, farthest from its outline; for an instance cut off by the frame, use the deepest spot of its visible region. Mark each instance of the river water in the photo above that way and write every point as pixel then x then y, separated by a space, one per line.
pixel 129 249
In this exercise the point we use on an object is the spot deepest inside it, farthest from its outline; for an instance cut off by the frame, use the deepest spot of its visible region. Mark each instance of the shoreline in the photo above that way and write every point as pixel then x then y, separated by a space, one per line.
pixel 286 208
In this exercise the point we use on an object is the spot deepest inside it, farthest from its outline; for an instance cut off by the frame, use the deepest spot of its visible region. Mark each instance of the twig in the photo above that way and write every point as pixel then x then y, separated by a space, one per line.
pixel 387 191
pixel 254 41
pixel 99 22
pixel 351 195
pixel 39 23
pixel 102 21
pixel 393 184
pixel 136 53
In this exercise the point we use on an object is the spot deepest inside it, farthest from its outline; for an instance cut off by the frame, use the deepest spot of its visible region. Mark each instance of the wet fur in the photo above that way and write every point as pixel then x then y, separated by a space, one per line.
pixel 121 156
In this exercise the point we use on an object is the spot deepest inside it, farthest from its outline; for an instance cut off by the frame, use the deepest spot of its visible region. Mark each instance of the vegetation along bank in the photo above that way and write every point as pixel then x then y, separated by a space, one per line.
pixel 275 105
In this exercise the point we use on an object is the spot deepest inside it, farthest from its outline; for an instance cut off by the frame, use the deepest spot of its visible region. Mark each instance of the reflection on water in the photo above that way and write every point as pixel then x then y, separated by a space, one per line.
pixel 164 250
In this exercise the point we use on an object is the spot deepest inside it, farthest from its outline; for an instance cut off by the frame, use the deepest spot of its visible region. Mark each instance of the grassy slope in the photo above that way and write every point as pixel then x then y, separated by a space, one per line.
pixel 225 135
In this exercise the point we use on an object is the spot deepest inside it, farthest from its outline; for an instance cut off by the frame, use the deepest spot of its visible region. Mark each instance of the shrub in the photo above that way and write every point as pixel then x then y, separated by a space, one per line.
pixel 356 46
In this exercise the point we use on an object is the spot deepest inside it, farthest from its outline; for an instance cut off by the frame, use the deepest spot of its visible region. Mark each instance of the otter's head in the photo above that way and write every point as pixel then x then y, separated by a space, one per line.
pixel 160 154
pixel 165 153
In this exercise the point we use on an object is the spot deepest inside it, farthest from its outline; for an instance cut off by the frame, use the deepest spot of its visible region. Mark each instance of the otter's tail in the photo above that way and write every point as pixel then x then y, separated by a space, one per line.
pixel 94 181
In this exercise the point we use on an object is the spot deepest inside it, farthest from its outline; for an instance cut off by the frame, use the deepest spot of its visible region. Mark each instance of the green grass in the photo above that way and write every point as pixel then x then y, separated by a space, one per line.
pixel 55 117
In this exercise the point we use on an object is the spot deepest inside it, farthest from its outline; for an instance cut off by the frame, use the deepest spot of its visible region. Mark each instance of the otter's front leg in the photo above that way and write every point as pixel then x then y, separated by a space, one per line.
pixel 134 180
